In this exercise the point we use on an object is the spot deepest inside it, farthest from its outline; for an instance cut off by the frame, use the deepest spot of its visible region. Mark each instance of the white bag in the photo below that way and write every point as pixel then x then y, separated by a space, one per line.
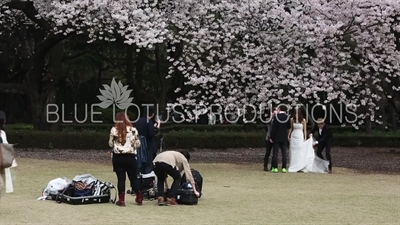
pixel 54 186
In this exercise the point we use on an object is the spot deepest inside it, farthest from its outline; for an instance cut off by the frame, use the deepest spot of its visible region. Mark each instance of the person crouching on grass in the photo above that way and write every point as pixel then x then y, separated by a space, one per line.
pixel 124 140
pixel 172 163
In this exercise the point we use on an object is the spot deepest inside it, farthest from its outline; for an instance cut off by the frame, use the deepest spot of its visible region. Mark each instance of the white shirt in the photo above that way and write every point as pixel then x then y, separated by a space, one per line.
pixel 3 136
pixel 320 131
pixel 131 144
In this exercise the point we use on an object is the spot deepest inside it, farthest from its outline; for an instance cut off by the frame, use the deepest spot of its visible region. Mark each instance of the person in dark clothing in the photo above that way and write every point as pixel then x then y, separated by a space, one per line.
pixel 148 127
pixel 124 140
pixel 324 141
pixel 279 138
pixel 172 163
pixel 268 144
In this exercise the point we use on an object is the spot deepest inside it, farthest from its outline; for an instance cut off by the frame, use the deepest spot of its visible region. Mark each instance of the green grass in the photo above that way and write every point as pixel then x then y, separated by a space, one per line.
pixel 233 194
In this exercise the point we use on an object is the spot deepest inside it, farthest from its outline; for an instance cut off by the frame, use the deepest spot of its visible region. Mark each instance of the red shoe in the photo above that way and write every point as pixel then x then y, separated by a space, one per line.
pixel 139 198
pixel 121 200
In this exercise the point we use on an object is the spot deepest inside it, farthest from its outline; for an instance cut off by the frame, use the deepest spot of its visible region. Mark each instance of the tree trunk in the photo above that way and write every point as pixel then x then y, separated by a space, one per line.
pixel 129 68
pixel 99 74
pixel 393 115
pixel 41 87
pixel 382 106
pixel 368 124
pixel 130 78
pixel 162 100
pixel 54 75
pixel 38 92
pixel 140 61
pixel 32 86
pixel 368 127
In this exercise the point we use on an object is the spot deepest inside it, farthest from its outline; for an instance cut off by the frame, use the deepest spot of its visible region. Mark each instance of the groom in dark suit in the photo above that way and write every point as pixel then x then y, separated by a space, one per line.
pixel 325 139
pixel 268 144
pixel 278 138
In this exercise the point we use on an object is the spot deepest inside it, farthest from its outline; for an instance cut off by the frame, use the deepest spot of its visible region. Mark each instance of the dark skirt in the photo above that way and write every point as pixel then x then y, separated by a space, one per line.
pixel 124 162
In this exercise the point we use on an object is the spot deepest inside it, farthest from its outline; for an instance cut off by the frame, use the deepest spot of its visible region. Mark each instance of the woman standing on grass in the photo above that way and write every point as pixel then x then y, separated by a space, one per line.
pixel 7 171
pixel 124 140
pixel 302 156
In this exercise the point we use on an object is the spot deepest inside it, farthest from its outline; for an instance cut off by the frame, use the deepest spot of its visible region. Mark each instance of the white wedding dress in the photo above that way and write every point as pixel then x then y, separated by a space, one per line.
pixel 302 155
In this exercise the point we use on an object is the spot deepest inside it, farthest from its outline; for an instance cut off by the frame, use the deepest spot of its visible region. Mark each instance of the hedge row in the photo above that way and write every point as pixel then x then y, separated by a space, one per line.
pixel 180 140
pixel 175 127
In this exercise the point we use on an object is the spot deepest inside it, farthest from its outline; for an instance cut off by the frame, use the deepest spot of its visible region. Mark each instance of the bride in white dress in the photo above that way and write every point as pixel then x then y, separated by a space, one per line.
pixel 302 155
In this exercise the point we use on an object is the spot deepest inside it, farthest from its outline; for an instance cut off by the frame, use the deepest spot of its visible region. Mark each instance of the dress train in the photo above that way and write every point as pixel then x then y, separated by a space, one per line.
pixel 302 154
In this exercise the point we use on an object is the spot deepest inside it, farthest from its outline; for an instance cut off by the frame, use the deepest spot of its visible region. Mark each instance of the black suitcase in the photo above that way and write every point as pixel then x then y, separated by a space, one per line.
pixel 68 196
pixel 197 178
pixel 186 196
pixel 82 200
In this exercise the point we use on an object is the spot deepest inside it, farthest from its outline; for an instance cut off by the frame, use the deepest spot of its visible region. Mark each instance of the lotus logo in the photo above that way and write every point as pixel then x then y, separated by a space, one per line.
pixel 116 94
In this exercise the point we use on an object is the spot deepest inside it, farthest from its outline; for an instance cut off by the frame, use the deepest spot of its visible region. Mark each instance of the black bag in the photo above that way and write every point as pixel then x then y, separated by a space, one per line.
pixel 82 190
pixel 53 196
pixel 197 178
pixel 146 178
pixel 185 195
pixel 148 188
pixel 74 194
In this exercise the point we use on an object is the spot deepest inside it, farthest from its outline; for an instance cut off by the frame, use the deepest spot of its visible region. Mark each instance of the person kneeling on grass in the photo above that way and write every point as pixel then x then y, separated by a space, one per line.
pixel 172 163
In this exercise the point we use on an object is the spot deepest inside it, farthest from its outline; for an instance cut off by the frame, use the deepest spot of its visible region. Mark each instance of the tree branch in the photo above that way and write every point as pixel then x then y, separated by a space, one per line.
pixel 49 42
pixel 77 55
pixel 74 56
pixel 393 102
pixel 30 11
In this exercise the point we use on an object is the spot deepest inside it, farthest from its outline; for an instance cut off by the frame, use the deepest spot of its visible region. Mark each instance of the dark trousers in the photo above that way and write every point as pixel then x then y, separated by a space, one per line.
pixel 327 147
pixel 161 170
pixel 268 148
pixel 276 147
pixel 125 164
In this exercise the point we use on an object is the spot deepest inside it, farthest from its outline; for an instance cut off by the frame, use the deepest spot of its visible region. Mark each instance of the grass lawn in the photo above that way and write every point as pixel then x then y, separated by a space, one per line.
pixel 232 194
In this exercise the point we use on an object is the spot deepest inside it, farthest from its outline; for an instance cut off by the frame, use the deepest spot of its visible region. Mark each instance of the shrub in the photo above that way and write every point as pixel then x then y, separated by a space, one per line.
pixel 60 140
pixel 182 140
pixel 20 126
pixel 100 128
pixel 168 127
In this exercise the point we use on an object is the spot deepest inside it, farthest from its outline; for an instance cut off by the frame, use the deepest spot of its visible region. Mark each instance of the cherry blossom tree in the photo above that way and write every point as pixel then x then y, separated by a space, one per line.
pixel 235 52
pixel 137 22
pixel 254 52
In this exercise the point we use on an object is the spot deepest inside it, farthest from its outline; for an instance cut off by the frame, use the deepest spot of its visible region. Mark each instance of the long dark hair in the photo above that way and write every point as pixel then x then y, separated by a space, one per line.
pixel 297 115
pixel 121 122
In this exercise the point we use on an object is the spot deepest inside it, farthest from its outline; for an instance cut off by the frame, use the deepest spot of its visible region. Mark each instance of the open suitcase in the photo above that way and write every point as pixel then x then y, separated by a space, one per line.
pixel 70 196
pixel 82 200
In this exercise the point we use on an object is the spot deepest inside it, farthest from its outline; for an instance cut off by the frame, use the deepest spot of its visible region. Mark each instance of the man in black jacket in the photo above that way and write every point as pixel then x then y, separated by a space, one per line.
pixel 279 134
pixel 325 139
pixel 148 127
pixel 268 144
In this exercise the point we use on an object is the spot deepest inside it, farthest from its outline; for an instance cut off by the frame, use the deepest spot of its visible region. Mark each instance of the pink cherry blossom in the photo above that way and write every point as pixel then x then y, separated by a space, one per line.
pixel 266 51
